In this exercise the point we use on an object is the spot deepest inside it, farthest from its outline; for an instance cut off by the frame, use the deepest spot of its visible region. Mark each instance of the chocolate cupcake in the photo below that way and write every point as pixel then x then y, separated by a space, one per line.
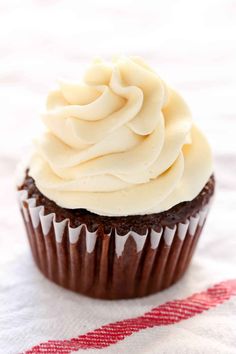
pixel 119 186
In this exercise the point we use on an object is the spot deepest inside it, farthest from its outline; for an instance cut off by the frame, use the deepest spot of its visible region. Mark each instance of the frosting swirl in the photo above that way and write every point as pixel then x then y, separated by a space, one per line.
pixel 120 143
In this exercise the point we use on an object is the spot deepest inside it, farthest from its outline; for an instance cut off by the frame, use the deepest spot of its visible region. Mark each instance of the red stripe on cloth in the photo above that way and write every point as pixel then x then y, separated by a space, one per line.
pixel 169 313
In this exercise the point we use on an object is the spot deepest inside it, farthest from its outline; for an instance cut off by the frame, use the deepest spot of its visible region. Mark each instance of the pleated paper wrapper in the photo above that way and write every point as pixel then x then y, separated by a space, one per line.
pixel 109 266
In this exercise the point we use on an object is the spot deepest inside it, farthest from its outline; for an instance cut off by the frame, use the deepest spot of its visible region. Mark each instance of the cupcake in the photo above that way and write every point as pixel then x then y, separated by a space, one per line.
pixel 117 191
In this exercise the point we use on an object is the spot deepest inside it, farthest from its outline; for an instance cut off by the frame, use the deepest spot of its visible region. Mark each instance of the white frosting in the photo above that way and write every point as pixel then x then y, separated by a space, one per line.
pixel 121 143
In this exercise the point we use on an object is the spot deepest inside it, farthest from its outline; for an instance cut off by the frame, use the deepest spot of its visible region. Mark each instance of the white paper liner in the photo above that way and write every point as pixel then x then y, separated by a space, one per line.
pixel 37 216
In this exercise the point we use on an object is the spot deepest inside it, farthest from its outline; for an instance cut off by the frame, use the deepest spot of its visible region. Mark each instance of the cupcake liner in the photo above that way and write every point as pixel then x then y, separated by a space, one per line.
pixel 109 266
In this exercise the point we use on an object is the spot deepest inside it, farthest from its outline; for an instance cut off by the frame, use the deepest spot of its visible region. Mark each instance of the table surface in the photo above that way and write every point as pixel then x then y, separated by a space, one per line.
pixel 191 44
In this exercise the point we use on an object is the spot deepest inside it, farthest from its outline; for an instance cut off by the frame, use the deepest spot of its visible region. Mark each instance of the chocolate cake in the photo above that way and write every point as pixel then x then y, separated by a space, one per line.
pixel 123 224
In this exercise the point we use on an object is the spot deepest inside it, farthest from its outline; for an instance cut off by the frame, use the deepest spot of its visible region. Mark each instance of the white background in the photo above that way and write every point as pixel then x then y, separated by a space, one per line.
pixel 192 45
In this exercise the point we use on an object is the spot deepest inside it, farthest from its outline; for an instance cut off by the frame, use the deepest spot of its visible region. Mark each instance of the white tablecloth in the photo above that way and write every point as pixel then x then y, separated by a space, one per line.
pixel 193 47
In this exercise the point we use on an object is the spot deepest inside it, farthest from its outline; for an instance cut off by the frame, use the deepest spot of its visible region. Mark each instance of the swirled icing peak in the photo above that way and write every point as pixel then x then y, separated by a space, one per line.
pixel 119 143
